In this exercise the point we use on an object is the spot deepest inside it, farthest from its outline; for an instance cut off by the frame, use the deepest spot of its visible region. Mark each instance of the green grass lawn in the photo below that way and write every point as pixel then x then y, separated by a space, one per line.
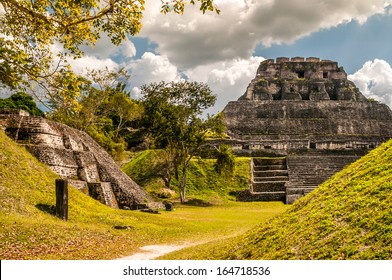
pixel 28 229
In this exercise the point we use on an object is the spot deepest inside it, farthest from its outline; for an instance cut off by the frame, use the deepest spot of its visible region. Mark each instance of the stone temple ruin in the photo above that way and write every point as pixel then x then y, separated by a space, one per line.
pixel 306 114
pixel 75 156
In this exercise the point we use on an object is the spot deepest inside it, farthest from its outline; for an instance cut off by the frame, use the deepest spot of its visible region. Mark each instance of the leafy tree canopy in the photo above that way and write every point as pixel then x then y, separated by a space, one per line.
pixel 172 117
pixel 21 100
pixel 28 30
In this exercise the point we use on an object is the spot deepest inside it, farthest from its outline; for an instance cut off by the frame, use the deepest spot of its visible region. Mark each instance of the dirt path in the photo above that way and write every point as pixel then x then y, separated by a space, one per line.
pixel 154 251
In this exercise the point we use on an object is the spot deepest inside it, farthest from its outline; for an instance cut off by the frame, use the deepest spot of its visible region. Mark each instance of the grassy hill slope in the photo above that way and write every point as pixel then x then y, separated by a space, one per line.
pixel 347 217
pixel 203 182
pixel 28 229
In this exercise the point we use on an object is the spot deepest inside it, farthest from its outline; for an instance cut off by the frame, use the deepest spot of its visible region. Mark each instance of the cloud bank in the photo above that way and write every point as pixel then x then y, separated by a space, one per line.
pixel 195 39
pixel 374 80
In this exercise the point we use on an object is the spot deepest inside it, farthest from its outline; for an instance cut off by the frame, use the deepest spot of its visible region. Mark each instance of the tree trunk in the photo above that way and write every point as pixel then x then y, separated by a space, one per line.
pixel 183 184
pixel 167 179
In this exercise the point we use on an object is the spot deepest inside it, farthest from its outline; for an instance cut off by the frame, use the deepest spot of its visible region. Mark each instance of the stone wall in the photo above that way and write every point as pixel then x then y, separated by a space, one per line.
pixel 334 124
pixel 75 155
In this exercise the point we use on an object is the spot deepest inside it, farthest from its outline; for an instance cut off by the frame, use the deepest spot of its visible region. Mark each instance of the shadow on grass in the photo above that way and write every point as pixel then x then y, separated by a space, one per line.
pixel 50 209
pixel 198 202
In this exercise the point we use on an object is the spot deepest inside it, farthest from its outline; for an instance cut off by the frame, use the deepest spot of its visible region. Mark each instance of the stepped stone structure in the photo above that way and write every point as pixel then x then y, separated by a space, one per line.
pixel 74 155
pixel 308 112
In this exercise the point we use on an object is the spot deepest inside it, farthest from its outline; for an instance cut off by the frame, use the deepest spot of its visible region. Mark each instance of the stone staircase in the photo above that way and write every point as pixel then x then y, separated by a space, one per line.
pixel 307 172
pixel 268 179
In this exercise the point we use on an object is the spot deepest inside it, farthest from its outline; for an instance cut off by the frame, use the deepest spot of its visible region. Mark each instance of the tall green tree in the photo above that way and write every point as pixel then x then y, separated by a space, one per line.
pixel 21 100
pixel 123 111
pixel 173 117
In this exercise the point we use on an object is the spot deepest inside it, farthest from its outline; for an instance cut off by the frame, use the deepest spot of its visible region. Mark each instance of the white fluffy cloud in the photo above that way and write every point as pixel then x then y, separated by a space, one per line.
pixel 81 65
pixel 104 48
pixel 227 79
pixel 88 61
pixel 194 39
pixel 374 80
pixel 151 68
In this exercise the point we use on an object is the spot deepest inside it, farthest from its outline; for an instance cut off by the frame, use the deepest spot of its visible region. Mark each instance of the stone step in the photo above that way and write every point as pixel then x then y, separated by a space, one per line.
pixel 274 186
pixel 297 192
pixel 270 173
pixel 262 196
pixel 269 161
pixel 270 179
pixel 270 167
pixel 291 198
pixel 316 180
pixel 300 189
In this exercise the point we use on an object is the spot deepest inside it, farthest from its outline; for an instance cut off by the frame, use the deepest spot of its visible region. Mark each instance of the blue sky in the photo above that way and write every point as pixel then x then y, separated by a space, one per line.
pixel 351 44
pixel 225 50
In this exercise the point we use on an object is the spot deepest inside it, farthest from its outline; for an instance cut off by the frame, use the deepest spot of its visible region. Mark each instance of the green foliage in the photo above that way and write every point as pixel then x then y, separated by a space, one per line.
pixel 103 109
pixel 225 161
pixel 172 118
pixel 21 100
pixel 103 135
pixel 145 167
pixel 178 6
pixel 347 217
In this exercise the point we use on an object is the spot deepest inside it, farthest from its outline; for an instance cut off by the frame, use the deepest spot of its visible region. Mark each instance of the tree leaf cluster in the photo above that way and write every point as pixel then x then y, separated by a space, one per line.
pixel 225 162
pixel 21 100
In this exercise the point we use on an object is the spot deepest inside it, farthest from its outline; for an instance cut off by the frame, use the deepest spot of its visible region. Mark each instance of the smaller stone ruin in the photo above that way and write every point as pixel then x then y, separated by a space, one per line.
pixel 75 156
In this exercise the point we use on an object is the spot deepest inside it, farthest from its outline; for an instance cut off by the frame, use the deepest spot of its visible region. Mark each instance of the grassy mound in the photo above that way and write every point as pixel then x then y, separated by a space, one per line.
pixel 29 230
pixel 203 182
pixel 347 217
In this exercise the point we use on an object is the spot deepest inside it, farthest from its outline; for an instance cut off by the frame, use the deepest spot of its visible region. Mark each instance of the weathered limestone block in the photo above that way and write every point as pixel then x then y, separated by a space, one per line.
pixel 79 185
pixel 291 96
pixel 103 192
pixel 312 59
pixel 318 92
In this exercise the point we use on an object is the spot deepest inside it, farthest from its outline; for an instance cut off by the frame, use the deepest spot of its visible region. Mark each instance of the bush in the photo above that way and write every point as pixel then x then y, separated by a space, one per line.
pixel 225 161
